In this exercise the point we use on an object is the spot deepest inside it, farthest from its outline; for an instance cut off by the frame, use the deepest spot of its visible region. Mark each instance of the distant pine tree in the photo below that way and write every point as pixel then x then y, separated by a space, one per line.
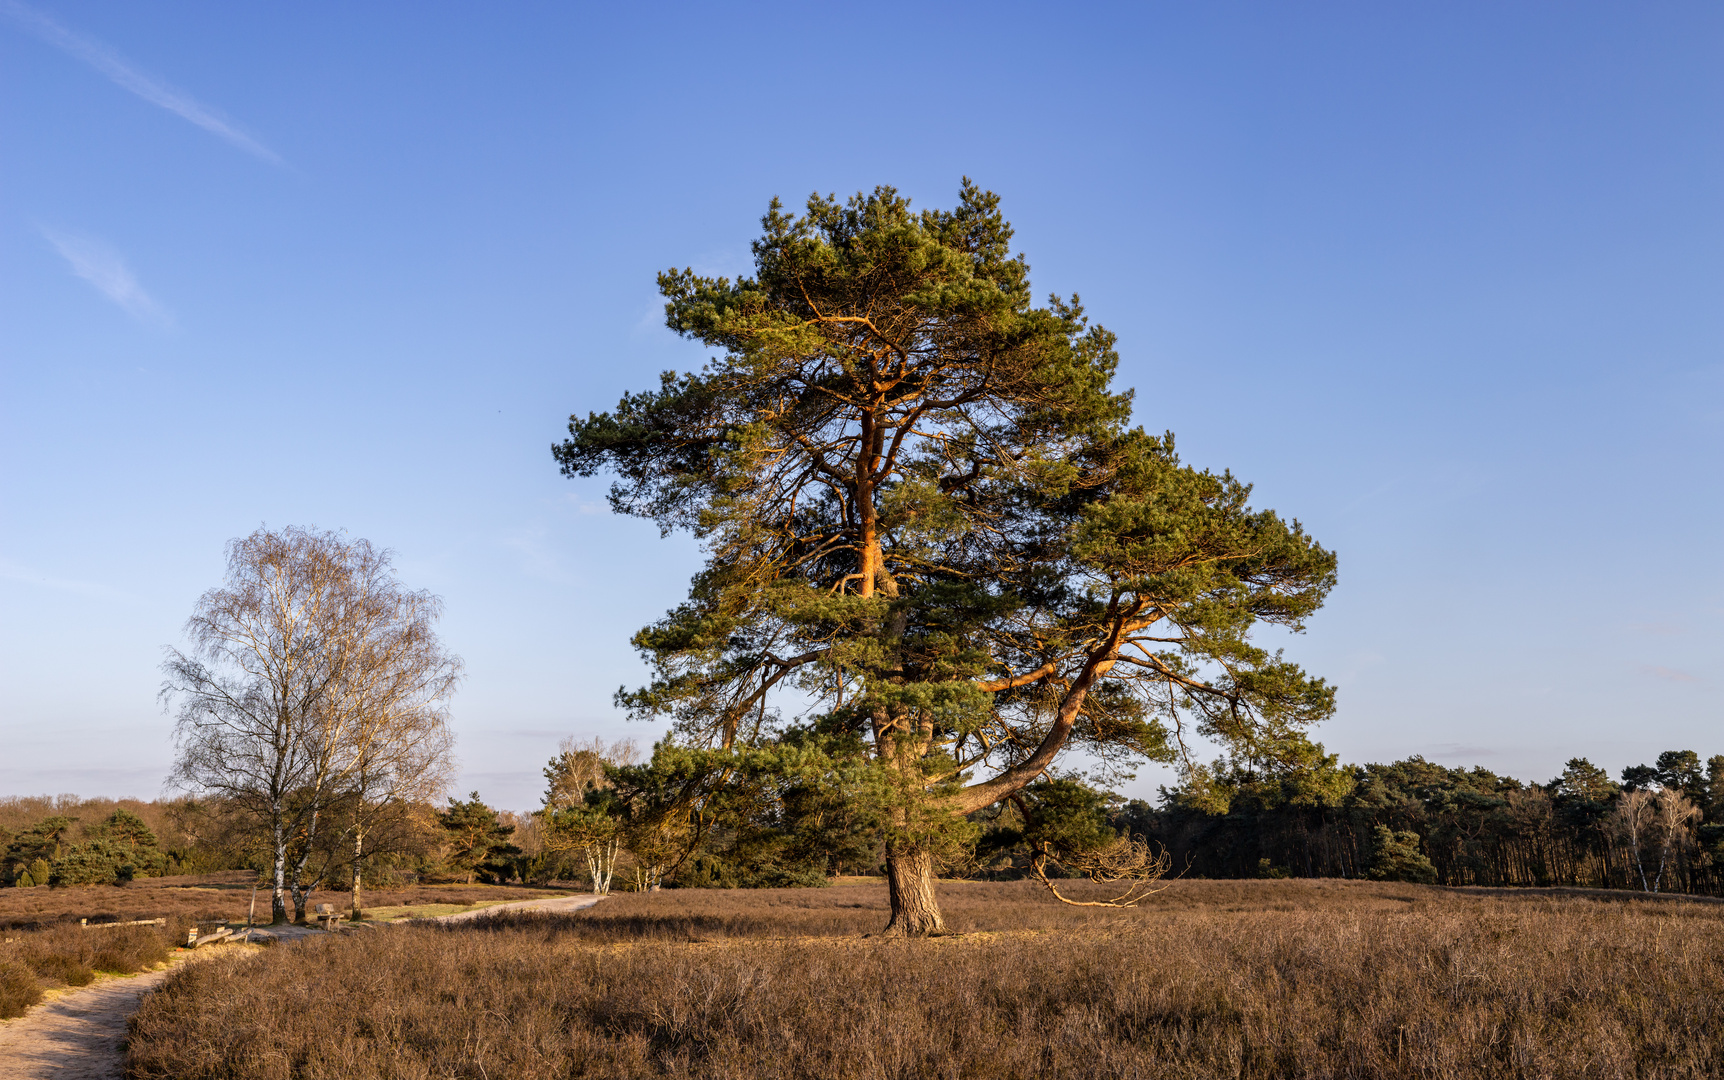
pixel 1398 858
pixel 134 846
pixel 475 834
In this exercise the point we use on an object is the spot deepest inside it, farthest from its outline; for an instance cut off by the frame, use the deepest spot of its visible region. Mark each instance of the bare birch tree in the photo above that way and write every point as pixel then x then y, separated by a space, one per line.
pixel 571 822
pixel 312 674
pixel 1655 825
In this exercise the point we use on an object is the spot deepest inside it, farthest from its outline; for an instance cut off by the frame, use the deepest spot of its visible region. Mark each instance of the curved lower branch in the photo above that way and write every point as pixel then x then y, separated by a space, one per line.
pixel 1126 859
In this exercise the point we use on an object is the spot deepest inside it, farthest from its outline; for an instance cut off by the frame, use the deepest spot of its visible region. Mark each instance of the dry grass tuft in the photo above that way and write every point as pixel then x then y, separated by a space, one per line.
pixel 1236 979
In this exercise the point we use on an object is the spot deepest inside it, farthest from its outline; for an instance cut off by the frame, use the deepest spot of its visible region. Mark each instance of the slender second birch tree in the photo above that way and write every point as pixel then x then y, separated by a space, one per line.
pixel 398 751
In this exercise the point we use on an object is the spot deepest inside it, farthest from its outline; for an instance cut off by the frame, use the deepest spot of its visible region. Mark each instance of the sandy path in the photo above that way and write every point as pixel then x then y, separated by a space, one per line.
pixel 80 1035
pixel 554 903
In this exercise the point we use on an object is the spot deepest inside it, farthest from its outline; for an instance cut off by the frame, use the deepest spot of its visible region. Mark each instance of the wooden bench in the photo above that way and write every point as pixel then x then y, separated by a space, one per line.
pixel 195 940
pixel 327 915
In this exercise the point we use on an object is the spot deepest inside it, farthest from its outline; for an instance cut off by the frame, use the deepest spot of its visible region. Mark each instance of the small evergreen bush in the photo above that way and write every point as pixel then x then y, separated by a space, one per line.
pixel 1398 858
pixel 94 863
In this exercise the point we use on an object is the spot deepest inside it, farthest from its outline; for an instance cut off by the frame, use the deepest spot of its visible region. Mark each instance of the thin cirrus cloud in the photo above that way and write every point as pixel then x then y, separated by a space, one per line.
pixel 15 572
pixel 102 266
pixel 109 63
pixel 1669 674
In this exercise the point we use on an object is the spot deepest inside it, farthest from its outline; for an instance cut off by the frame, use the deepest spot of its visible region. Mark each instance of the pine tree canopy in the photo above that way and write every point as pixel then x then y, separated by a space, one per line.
pixel 927 517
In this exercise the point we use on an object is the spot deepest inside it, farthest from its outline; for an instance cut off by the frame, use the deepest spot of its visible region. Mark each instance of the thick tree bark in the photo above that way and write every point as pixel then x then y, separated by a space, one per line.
pixel 910 880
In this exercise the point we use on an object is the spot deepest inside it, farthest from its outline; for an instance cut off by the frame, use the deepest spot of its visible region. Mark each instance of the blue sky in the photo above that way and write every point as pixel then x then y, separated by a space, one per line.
pixel 1442 280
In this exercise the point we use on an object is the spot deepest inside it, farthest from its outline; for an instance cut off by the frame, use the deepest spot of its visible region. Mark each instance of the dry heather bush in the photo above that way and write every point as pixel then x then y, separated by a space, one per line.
pixel 709 914
pixel 43 947
pixel 19 989
pixel 73 956
pixel 1270 979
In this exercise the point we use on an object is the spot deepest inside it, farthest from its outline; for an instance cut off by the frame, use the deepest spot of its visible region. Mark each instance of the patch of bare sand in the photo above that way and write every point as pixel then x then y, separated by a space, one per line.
pixel 555 904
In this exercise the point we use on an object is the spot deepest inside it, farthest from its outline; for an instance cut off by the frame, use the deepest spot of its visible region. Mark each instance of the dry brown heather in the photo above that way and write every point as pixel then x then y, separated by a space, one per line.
pixel 40 948
pixel 210 898
pixel 1212 979
pixel 73 956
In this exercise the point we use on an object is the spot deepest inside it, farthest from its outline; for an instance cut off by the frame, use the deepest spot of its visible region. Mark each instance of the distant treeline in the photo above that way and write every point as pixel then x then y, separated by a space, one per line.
pixel 777 819
pixel 66 840
pixel 1661 828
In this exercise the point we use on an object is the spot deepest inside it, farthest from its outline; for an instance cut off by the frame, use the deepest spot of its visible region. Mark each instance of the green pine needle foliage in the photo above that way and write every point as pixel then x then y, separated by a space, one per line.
pixel 931 529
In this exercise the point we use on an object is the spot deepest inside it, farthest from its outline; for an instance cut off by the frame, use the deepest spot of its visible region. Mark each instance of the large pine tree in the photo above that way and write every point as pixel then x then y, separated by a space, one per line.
pixel 926 515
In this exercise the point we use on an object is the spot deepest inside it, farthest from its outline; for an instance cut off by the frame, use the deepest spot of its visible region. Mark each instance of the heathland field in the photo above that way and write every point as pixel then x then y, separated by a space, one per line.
pixel 1207 979
pixel 215 899
pixel 43 947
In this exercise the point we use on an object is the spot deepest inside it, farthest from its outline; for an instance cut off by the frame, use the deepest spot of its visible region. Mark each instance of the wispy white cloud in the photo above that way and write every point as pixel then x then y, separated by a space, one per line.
pixel 586 506
pixel 1669 674
pixel 652 318
pixel 103 267
pixel 535 557
pixel 11 571
pixel 734 261
pixel 1465 751
pixel 110 63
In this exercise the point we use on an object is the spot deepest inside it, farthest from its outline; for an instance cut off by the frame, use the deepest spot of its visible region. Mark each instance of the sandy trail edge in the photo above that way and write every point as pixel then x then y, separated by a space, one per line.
pixel 551 903
pixel 81 1034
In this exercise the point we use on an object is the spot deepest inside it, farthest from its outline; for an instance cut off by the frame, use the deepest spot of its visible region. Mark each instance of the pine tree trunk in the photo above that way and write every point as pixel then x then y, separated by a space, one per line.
pixel 910 880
